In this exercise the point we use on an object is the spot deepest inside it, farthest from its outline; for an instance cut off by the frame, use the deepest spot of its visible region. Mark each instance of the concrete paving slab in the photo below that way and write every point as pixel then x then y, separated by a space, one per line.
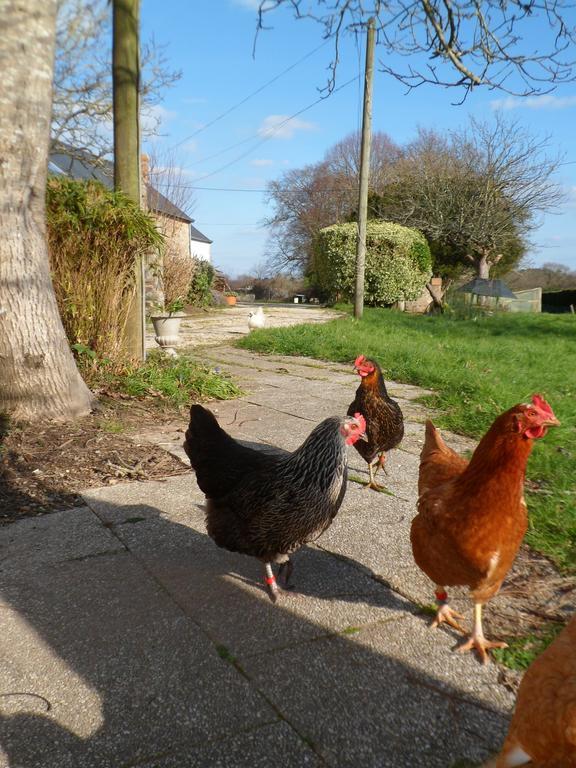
pixel 31 543
pixel 366 698
pixel 278 745
pixel 112 670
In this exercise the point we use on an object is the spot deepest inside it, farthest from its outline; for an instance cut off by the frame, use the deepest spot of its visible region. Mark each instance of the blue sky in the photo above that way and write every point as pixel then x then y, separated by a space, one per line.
pixel 212 44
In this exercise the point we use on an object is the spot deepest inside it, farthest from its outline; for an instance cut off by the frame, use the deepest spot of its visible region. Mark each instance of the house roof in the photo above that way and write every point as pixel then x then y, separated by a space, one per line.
pixel 195 234
pixel 79 164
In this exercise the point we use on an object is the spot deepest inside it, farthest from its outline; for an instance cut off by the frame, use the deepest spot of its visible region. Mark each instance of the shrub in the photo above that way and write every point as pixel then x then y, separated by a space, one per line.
pixel 398 262
pixel 200 291
pixel 94 238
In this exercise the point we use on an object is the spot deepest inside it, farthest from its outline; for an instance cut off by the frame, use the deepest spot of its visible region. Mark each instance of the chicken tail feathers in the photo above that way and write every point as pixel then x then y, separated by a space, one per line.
pixel 202 436
pixel 433 440
pixel 219 460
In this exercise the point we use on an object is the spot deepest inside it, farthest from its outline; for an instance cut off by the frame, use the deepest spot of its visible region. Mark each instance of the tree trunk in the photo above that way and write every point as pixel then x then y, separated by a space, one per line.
pixel 126 86
pixel 38 376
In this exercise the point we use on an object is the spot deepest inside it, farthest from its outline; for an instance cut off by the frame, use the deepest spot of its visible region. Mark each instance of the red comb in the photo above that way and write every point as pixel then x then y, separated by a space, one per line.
pixel 361 420
pixel 359 360
pixel 539 402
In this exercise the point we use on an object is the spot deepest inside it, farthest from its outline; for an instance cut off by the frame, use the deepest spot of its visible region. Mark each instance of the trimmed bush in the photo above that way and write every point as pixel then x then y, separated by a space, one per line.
pixel 398 262
pixel 94 238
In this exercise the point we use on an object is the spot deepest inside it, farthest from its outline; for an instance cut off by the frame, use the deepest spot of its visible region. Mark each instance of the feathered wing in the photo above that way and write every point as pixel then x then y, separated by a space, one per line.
pixel 220 462
pixel 438 462
pixel 276 508
pixel 384 419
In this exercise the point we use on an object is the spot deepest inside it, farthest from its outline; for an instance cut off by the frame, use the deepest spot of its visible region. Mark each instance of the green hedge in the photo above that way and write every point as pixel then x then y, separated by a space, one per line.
pixel 398 262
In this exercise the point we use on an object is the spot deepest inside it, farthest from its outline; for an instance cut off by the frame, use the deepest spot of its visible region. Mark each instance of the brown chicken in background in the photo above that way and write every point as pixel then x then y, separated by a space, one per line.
pixel 472 515
pixel 543 730
pixel 384 420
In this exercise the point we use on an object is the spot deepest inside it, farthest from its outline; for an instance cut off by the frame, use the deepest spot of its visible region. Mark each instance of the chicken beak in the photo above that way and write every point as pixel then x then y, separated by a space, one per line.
pixel 552 421
pixel 364 437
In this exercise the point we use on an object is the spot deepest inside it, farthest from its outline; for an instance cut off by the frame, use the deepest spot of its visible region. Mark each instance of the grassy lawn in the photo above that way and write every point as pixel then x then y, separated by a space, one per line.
pixel 477 368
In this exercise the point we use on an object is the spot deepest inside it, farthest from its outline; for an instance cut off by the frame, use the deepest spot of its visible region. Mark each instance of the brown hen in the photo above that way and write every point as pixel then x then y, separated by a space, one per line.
pixel 543 730
pixel 472 515
pixel 384 420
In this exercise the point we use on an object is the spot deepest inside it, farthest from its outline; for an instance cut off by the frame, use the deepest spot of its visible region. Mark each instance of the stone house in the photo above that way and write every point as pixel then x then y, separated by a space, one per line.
pixel 181 237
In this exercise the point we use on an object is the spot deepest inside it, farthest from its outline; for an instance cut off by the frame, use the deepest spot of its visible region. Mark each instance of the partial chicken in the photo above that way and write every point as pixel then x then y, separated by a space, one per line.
pixel 384 420
pixel 256 319
pixel 268 504
pixel 472 515
pixel 542 733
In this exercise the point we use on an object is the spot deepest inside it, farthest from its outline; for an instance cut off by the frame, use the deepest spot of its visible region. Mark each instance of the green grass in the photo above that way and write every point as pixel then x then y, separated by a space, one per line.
pixel 477 369
pixel 522 651
pixel 178 380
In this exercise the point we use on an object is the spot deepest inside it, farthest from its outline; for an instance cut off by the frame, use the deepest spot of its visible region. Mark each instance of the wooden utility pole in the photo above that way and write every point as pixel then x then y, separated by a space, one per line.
pixel 364 171
pixel 126 86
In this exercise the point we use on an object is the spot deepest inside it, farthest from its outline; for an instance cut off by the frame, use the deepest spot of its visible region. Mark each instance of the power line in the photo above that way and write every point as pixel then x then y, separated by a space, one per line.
pixel 251 95
pixel 272 131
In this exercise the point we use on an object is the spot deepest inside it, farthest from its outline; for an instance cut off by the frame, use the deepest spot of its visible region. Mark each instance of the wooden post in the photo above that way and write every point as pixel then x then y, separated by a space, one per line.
pixel 125 90
pixel 364 172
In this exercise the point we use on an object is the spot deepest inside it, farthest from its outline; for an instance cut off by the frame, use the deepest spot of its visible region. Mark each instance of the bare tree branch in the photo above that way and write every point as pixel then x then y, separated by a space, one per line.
pixel 456 43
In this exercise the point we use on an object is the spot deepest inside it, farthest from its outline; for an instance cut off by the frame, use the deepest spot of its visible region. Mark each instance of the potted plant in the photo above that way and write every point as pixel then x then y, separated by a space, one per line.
pixel 166 321
pixel 230 297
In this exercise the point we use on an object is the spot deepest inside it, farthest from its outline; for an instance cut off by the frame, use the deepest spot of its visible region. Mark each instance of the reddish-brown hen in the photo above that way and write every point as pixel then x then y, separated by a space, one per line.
pixel 543 730
pixel 384 420
pixel 472 515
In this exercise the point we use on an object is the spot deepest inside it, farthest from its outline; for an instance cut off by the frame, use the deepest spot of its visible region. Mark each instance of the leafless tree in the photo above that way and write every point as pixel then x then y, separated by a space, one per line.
pixel 455 43
pixel 476 194
pixel 316 196
pixel 82 101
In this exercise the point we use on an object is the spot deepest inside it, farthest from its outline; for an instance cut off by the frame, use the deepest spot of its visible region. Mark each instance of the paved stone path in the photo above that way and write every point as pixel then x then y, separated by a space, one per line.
pixel 224 324
pixel 129 639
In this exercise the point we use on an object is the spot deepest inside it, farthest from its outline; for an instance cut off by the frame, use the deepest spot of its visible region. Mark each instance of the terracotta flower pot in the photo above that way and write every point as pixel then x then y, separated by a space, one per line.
pixel 230 300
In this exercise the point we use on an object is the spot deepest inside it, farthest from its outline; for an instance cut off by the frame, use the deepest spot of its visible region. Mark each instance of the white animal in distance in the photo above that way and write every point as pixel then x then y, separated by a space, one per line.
pixel 256 319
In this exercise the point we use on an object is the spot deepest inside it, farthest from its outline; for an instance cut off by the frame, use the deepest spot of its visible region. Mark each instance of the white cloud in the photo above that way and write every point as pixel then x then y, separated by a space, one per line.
pixel 283 127
pixel 548 101
pixel 261 163
pixel 154 117
pixel 251 5
pixel 190 146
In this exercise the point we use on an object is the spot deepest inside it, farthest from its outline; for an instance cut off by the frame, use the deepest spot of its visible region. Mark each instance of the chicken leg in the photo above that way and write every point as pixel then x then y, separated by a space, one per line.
pixel 373 468
pixel 445 614
pixel 271 585
pixel 477 639
pixel 285 572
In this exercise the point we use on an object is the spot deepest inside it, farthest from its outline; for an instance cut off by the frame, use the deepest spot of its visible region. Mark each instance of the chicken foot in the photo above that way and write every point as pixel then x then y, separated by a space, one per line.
pixel 445 614
pixel 477 639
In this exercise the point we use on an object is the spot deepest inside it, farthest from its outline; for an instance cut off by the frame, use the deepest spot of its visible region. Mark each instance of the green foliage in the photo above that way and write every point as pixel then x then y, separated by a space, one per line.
pixel 398 262
pixel 200 293
pixel 522 651
pixel 94 238
pixel 477 368
pixel 178 380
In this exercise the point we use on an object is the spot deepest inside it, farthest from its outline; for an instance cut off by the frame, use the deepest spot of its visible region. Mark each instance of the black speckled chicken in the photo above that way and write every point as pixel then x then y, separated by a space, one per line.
pixel 267 504
pixel 384 420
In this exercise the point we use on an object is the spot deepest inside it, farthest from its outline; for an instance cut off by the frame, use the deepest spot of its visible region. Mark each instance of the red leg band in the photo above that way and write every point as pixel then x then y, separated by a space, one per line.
pixel 441 596
pixel 270 580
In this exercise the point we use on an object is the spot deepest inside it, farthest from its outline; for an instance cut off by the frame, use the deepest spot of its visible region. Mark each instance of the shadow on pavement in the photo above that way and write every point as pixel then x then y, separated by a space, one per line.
pixel 159 652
